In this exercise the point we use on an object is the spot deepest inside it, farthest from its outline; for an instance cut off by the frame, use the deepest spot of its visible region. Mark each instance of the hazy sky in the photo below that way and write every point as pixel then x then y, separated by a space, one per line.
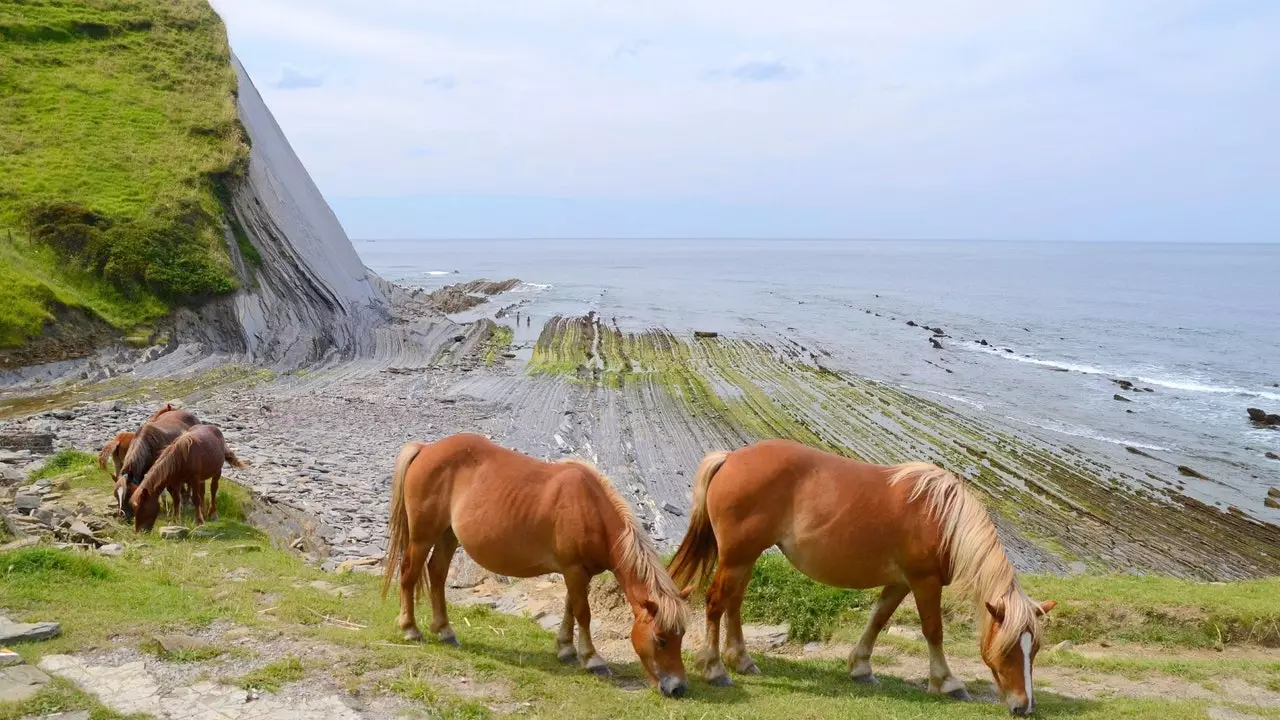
pixel 1071 119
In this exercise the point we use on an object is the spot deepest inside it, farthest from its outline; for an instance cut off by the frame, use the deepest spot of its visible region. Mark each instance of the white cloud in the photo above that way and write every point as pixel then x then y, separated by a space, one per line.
pixel 829 99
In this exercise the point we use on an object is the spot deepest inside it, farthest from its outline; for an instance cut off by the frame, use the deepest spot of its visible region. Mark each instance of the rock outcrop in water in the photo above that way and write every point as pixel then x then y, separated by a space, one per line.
pixel 1262 417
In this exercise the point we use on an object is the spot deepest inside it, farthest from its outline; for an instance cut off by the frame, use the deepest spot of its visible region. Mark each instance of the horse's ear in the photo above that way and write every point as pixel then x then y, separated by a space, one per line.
pixel 1047 605
pixel 650 607
pixel 996 609
pixel 685 593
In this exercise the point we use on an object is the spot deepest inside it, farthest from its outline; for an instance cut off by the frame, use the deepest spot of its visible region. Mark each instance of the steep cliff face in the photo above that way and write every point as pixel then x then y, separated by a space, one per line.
pixel 307 297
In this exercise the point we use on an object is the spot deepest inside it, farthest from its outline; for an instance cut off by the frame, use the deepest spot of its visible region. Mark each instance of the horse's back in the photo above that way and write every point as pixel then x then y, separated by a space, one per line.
pixel 821 509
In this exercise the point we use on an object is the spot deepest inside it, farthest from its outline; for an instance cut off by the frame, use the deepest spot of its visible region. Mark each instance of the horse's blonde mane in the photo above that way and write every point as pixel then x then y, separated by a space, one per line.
pixel 169 462
pixel 979 565
pixel 637 554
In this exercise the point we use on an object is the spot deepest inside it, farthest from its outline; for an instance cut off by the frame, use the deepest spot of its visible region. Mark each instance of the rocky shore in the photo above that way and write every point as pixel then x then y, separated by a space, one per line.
pixel 645 407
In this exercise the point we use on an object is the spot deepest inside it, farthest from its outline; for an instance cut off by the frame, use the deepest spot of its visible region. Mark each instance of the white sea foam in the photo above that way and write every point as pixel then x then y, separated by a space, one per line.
pixel 1174 383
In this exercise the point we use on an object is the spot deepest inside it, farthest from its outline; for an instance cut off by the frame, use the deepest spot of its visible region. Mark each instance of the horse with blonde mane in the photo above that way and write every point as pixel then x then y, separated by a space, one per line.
pixel 195 456
pixel 163 427
pixel 118 447
pixel 519 516
pixel 910 528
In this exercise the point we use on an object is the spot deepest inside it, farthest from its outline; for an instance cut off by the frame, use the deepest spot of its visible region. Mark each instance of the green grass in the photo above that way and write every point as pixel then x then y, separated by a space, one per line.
pixel 273 676
pixel 161 587
pixel 499 340
pixel 778 593
pixel 73 463
pixel 118 125
pixel 60 696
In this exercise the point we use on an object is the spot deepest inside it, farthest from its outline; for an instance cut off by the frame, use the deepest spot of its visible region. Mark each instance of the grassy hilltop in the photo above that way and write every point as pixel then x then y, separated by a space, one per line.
pixel 118 128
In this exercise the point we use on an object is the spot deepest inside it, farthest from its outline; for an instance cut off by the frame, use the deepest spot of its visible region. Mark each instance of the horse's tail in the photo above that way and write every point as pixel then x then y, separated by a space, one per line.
pixel 229 456
pixel 696 558
pixel 398 525
pixel 107 451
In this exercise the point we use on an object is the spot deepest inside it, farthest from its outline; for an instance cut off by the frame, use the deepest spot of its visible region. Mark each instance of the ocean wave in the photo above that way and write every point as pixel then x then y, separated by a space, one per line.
pixel 528 287
pixel 437 273
pixel 1085 432
pixel 1170 383
pixel 957 398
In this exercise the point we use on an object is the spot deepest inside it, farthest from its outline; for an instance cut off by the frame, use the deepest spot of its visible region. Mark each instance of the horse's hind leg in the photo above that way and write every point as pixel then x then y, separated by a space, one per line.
pixel 733 589
pixel 860 659
pixel 928 594
pixel 412 565
pixel 578 583
pixel 437 573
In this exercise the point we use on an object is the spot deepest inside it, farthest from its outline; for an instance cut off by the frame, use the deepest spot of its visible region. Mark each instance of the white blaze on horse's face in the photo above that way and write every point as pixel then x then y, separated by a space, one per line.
pixel 1025 641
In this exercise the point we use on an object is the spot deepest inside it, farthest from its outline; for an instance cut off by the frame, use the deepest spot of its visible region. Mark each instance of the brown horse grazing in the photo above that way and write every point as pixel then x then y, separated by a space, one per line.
pixel 519 516
pixel 197 455
pixel 910 528
pixel 163 427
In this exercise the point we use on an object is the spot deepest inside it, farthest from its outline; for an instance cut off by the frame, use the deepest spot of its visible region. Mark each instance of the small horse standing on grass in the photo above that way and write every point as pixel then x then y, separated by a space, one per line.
pixel 163 427
pixel 197 455
pixel 519 516
pixel 910 528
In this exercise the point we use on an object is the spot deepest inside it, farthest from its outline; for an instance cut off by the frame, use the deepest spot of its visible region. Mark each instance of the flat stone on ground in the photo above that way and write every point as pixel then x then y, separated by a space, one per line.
pixel 173 644
pixel 130 688
pixel 19 682
pixel 11 632
pixel 173 532
pixel 9 657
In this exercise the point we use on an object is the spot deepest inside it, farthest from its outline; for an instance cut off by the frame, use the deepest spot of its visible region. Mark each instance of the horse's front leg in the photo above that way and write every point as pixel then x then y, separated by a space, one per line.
pixel 860 659
pixel 928 594
pixel 197 492
pixel 565 651
pixel 578 583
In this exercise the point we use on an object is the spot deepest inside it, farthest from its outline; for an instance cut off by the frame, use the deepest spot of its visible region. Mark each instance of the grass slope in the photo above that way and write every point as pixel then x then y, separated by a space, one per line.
pixel 117 126
pixel 159 586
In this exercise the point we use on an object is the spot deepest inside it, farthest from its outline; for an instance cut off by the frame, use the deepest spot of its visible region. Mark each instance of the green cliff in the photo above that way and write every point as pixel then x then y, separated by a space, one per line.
pixel 118 132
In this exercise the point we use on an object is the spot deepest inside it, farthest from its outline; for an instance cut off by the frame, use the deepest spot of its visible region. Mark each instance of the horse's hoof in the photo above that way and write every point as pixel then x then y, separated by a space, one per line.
pixel 960 694
pixel 413 635
pixel 750 668
pixel 599 670
pixel 720 681
pixel 567 655
pixel 867 679
pixel 449 637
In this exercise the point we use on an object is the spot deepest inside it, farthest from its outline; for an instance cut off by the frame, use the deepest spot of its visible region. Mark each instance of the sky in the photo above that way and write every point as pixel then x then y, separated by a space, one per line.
pixel 1152 120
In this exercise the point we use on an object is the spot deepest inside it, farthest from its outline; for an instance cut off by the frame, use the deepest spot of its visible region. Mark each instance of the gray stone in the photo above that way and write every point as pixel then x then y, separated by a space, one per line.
pixel 64 414
pixel 174 532
pixel 27 501
pixel 768 637
pixel 14 457
pixel 1077 567
pixel 672 509
pixel 19 682
pixel 9 658
pixel 173 644
pixel 73 715
pixel 114 549
pixel 11 632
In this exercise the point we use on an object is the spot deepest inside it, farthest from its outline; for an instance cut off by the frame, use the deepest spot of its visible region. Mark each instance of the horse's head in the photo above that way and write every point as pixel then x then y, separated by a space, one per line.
pixel 146 506
pixel 659 650
pixel 1010 641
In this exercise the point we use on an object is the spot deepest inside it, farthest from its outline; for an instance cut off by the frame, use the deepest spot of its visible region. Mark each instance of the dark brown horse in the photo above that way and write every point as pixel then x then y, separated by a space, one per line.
pixel 163 427
pixel 909 528
pixel 195 456
pixel 519 516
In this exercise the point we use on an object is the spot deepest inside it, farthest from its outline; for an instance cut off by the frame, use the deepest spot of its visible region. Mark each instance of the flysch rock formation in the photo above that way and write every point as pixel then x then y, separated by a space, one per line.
pixel 311 298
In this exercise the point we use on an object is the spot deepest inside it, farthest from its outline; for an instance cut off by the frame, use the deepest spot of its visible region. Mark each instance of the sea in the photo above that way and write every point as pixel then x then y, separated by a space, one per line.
pixel 1196 324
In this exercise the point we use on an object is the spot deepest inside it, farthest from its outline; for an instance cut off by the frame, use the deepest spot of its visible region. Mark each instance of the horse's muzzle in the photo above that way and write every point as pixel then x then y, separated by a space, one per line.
pixel 1021 709
pixel 672 686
